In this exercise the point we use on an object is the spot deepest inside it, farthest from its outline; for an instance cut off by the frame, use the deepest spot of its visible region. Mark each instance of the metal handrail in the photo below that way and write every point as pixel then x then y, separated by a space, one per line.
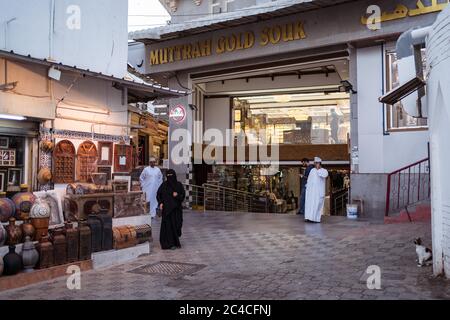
pixel 412 189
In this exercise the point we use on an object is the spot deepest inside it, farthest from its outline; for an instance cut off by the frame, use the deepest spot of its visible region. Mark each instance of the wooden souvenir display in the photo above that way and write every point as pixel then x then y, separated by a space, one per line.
pixel 87 188
pixel 120 186
pixel 123 155
pixel 7 157
pixel 79 207
pixel 107 170
pixel 46 253
pixel 95 225
pixel 86 161
pixel 85 245
pixel 58 239
pixel 124 237
pixel 144 233
pixel 107 240
pixel 105 153
pixel 64 162
pixel 72 236
pixel 129 204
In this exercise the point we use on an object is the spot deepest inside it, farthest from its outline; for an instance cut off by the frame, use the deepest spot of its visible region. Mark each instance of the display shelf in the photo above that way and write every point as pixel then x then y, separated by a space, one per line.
pixel 132 221
pixel 25 279
pixel 106 259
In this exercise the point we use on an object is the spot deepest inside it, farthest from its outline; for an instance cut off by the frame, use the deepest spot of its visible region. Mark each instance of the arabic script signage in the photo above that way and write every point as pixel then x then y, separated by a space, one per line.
pixel 272 35
pixel 401 11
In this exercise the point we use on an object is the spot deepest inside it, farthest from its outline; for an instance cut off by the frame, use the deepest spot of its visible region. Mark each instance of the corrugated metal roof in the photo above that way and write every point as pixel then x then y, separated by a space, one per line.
pixel 131 79
pixel 231 19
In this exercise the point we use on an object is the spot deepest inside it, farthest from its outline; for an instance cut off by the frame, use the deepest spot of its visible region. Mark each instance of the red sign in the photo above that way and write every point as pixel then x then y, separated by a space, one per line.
pixel 178 113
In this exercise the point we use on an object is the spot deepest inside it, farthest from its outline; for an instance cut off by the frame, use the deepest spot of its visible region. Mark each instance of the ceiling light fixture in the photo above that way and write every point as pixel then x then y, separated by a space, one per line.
pixel 285 98
pixel 12 117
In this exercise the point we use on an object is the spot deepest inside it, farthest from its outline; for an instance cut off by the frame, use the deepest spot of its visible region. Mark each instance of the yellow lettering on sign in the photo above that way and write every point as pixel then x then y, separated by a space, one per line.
pixel 220 45
pixel 275 34
pixel 249 40
pixel 235 41
pixel 231 43
pixel 205 48
pixel 187 48
pixel 288 32
pixel 299 31
pixel 196 52
pixel 154 57
pixel 264 37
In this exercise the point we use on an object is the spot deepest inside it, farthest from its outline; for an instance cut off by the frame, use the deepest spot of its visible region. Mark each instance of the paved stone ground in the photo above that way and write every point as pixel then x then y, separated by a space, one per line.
pixel 262 256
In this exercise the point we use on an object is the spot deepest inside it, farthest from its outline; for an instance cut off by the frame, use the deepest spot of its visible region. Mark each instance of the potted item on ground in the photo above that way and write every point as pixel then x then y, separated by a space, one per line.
pixel 28 230
pixel 72 237
pixel 12 262
pixel 14 233
pixel 24 201
pixel 45 251
pixel 58 239
pixel 3 235
pixel 40 217
pixel 30 256
pixel 85 244
pixel 7 208
pixel 1 266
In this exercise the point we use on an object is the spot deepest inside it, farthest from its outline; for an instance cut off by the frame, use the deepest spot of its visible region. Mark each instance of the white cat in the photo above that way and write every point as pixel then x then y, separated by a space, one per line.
pixel 424 254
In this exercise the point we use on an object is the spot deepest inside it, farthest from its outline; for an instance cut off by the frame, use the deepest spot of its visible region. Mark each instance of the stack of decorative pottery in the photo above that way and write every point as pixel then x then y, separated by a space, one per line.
pixel 3 235
pixel 7 208
pixel 24 201
pixel 30 256
pixel 40 217
pixel 1 265
pixel 13 233
pixel 12 262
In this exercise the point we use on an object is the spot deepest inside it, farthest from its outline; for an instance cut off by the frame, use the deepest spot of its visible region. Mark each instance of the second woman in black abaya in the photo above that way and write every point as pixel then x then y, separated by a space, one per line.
pixel 170 197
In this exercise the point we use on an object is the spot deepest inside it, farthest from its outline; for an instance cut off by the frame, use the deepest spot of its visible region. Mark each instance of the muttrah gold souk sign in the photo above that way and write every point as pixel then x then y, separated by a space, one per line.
pixel 233 42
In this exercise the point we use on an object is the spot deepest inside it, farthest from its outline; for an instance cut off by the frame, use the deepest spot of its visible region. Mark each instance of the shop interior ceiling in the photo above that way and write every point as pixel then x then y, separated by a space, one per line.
pixel 333 72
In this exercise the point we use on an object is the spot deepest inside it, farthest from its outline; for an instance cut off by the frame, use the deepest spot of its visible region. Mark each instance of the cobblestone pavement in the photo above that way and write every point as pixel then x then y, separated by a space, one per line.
pixel 262 256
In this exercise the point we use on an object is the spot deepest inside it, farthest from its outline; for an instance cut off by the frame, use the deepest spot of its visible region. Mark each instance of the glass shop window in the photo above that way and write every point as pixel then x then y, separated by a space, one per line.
pixel 12 161
pixel 396 117
pixel 315 118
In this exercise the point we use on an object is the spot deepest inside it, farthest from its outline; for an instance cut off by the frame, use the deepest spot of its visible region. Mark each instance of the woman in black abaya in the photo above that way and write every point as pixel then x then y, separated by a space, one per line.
pixel 170 197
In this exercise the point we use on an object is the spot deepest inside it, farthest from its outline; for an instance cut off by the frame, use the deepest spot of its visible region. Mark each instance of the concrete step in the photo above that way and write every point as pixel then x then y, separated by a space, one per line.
pixel 419 212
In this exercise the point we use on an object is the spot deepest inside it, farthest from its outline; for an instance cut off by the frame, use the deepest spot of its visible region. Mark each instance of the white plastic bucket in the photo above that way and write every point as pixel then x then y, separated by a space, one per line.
pixel 352 211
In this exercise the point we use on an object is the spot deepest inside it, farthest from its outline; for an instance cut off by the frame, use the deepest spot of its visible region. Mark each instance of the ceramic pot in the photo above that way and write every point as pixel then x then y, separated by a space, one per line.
pixel 14 233
pixel 1 266
pixel 30 256
pixel 12 262
pixel 7 208
pixel 3 235
pixel 44 176
pixel 45 250
pixel 40 217
pixel 28 230
pixel 24 201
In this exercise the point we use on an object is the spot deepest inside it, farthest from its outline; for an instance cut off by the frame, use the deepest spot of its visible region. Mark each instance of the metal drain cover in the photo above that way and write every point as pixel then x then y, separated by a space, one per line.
pixel 168 268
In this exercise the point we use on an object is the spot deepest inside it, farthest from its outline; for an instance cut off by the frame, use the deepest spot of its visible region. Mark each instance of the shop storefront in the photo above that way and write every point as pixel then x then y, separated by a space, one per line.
pixel 305 80
pixel 69 170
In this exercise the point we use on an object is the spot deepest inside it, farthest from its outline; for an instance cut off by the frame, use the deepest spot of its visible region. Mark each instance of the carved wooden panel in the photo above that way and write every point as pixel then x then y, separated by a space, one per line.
pixel 86 161
pixel 123 158
pixel 105 153
pixel 64 162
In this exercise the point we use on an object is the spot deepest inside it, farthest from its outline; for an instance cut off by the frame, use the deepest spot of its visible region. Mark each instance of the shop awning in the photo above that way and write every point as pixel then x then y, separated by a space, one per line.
pixel 137 87
pixel 251 14
pixel 403 91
